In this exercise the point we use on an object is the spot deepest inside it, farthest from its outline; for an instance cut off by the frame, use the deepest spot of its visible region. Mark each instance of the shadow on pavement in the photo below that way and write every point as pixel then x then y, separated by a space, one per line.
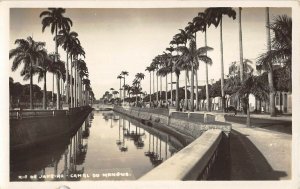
pixel 273 125
pixel 247 162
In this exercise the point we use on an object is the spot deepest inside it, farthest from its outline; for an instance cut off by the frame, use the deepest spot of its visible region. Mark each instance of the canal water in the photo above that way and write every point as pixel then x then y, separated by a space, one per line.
pixel 108 146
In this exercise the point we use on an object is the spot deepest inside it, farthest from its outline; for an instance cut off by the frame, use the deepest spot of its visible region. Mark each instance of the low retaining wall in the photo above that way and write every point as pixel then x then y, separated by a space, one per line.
pixel 190 124
pixel 190 161
pixel 199 159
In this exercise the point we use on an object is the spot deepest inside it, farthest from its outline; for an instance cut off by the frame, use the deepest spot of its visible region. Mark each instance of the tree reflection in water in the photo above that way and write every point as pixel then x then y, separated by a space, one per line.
pixel 155 144
pixel 39 163
pixel 70 156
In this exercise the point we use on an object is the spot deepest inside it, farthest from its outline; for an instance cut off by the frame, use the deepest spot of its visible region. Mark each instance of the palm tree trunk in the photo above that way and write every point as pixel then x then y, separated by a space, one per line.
pixel 167 90
pixel 177 93
pixel 67 82
pixel 75 85
pixel 77 82
pixel 197 94
pixel 136 95
pixel 156 87
pixel 171 88
pixel 52 90
pixel 185 90
pixel 150 90
pixel 192 89
pixel 79 91
pixel 241 51
pixel 30 90
pixel 120 89
pixel 62 89
pixel 56 59
pixel 206 83
pixel 124 91
pixel 58 92
pixel 241 45
pixel 45 92
pixel 160 78
pixel 153 84
pixel 248 111
pixel 222 67
pixel 71 83
pixel 270 71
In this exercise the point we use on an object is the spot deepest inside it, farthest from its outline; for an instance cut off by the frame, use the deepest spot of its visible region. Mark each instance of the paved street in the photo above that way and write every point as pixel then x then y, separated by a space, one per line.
pixel 259 154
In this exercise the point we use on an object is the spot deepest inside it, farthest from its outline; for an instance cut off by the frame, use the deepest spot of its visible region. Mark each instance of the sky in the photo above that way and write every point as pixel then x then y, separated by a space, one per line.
pixel 127 39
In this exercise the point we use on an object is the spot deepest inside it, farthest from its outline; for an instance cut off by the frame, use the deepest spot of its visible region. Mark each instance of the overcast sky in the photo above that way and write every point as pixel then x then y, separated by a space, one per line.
pixel 128 39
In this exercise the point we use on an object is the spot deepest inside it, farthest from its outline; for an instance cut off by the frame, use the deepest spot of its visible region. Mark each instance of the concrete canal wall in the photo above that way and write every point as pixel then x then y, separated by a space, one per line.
pixel 207 154
pixel 35 127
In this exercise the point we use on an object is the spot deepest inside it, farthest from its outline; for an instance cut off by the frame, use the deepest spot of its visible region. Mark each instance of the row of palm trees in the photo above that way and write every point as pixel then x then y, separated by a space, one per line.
pixel 184 56
pixel 36 60
pixel 134 89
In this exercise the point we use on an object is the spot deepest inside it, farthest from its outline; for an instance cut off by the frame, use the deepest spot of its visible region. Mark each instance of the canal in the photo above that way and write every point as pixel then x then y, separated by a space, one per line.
pixel 108 146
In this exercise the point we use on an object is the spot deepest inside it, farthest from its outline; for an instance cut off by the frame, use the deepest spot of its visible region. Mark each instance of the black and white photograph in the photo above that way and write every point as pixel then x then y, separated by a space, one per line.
pixel 102 93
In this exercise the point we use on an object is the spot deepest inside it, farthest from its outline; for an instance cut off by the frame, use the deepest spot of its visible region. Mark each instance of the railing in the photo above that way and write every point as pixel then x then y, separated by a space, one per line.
pixel 194 162
pixel 20 114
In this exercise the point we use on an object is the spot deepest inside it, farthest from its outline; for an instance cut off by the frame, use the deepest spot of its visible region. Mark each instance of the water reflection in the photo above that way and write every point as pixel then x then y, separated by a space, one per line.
pixel 108 146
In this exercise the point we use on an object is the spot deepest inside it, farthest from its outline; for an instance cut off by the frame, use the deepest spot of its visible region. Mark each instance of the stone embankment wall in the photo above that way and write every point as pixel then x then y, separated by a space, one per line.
pixel 189 124
pixel 206 155
pixel 34 127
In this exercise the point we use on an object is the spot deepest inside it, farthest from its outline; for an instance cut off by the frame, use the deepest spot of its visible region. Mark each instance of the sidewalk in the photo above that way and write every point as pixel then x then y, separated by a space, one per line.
pixel 259 154
pixel 267 116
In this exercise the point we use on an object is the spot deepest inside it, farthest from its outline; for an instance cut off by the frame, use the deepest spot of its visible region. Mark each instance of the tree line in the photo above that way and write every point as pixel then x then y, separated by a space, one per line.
pixel 184 56
pixel 71 76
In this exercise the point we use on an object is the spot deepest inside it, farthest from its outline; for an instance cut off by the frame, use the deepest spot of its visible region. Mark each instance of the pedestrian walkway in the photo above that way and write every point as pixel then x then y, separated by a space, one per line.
pixel 284 117
pixel 259 154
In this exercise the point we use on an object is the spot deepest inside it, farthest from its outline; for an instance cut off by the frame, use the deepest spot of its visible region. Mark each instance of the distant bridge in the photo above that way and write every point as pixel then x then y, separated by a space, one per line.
pixel 102 107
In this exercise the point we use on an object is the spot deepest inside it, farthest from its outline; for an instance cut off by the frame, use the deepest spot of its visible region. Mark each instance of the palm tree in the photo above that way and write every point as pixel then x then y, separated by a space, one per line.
pixel 58 68
pixel 189 56
pixel 279 50
pixel 139 77
pixel 66 39
pixel 235 72
pixel 251 85
pixel 215 17
pixel 192 29
pixel 82 72
pixel 183 38
pixel 28 52
pixel 120 77
pixel 41 69
pixel 176 68
pixel 86 82
pixel 171 64
pixel 136 88
pixel 165 69
pixel 200 24
pixel 76 51
pixel 111 90
pixel 115 93
pixel 55 20
pixel 128 88
pixel 150 69
pixel 154 65
pixel 124 74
